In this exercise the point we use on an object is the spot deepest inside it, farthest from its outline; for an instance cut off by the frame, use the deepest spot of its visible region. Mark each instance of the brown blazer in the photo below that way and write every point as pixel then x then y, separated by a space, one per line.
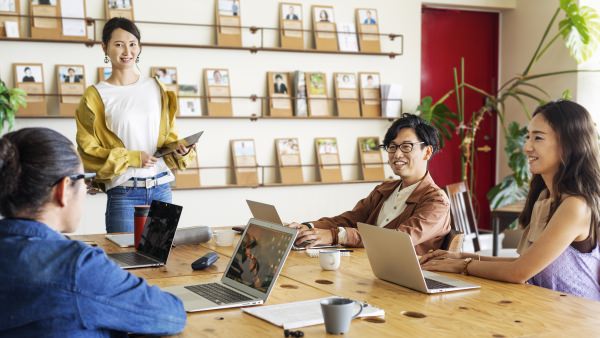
pixel 426 217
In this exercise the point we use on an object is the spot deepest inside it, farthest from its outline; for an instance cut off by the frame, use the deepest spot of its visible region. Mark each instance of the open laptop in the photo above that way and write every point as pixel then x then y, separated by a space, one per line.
pixel 251 273
pixel 393 258
pixel 157 238
pixel 171 147
pixel 268 212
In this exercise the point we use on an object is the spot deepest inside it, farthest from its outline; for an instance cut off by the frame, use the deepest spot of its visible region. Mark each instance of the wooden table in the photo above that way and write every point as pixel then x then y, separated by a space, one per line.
pixel 508 213
pixel 495 310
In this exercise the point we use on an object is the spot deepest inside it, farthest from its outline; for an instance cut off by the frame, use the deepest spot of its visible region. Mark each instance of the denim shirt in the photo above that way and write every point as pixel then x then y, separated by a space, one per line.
pixel 51 286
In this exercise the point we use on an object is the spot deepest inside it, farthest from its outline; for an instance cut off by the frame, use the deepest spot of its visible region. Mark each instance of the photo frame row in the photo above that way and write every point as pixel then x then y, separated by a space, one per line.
pixel 71 84
pixel 289 163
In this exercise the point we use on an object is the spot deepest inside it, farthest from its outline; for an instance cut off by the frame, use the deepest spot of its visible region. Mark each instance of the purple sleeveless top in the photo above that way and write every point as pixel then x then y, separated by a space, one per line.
pixel 576 272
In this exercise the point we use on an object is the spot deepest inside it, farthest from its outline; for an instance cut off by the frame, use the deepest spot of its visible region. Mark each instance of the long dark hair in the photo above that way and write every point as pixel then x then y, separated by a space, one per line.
pixel 579 171
pixel 32 160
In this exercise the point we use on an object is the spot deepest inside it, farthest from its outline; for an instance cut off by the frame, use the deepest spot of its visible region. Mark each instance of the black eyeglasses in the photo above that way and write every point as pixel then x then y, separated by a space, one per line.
pixel 85 176
pixel 405 147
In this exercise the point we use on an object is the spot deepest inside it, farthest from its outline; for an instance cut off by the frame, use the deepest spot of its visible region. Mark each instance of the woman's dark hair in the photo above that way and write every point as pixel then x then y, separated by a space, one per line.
pixel 116 23
pixel 579 171
pixel 425 131
pixel 32 161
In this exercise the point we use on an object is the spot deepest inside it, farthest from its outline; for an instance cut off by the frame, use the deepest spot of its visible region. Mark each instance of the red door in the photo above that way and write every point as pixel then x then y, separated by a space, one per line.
pixel 448 35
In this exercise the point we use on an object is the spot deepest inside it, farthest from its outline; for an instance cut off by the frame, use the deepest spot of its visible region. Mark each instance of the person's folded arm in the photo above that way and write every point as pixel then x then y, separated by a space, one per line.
pixel 111 298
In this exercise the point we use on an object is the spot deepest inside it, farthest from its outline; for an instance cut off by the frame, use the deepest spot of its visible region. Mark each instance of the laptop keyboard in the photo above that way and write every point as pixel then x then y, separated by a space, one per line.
pixel 132 259
pixel 433 284
pixel 217 293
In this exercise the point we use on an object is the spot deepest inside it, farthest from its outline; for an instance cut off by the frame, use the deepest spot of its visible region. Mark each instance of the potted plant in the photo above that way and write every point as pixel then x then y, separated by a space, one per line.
pixel 10 101
pixel 580 29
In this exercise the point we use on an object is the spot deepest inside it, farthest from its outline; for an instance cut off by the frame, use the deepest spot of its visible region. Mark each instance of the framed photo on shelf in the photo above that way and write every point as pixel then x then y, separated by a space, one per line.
pixel 104 73
pixel 244 162
pixel 189 100
pixel 370 94
pixel 71 81
pixel 10 25
pixel 318 103
pixel 291 21
pixel 228 13
pixel 119 8
pixel 324 28
pixel 166 76
pixel 328 159
pixel 346 93
pixel 218 92
pixel 45 23
pixel 347 37
pixel 30 78
pixel 73 29
pixel 371 161
pixel 367 22
pixel 300 101
pixel 280 103
pixel 288 157
pixel 190 177
pixel 190 106
pixel 71 86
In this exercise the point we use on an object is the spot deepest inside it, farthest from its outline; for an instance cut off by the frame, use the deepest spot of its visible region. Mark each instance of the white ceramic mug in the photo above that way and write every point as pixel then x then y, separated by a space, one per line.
pixel 224 237
pixel 329 259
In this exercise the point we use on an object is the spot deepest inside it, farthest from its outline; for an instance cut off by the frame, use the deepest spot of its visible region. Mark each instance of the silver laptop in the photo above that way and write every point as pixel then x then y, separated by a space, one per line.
pixel 268 212
pixel 251 273
pixel 393 258
pixel 157 238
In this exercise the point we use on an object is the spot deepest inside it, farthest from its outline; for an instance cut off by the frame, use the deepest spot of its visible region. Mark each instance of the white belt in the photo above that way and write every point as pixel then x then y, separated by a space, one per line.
pixel 146 183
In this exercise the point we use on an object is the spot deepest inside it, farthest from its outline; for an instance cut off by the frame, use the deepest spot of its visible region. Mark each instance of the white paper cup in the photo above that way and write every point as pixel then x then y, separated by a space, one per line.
pixel 329 259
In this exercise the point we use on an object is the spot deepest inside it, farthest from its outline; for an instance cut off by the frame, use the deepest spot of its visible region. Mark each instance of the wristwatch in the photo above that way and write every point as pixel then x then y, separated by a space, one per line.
pixel 309 225
pixel 465 267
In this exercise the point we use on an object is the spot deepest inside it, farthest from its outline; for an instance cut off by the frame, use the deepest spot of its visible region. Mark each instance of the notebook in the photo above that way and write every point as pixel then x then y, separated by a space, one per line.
pixel 251 273
pixel 157 238
pixel 393 259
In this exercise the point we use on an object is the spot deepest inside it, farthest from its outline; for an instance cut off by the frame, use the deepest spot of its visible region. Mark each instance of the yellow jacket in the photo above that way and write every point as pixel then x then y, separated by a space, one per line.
pixel 104 153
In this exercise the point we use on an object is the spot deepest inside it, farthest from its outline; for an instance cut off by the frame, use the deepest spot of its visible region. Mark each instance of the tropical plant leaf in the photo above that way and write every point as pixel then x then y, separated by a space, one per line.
pixel 523 83
pixel 580 29
pixel 506 192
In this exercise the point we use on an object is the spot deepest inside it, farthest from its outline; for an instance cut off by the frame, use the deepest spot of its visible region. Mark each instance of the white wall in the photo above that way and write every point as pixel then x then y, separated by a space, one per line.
pixel 589 83
pixel 521 30
pixel 248 75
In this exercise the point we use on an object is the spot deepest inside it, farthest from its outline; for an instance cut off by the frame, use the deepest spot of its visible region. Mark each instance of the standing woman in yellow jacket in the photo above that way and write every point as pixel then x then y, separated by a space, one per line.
pixel 121 122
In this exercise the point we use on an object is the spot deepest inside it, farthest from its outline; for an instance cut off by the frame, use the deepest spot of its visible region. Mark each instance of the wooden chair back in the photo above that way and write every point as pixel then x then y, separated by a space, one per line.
pixel 461 212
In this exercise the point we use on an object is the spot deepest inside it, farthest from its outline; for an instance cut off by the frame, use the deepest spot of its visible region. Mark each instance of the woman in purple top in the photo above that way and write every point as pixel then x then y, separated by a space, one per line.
pixel 559 248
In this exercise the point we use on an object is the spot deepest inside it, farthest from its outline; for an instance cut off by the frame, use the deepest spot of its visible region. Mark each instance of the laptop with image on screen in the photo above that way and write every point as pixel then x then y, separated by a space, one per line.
pixel 251 273
pixel 393 258
pixel 157 238
pixel 268 212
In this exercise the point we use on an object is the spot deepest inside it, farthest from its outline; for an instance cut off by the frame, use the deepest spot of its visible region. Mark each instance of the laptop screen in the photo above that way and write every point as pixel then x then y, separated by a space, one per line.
pixel 259 256
pixel 159 230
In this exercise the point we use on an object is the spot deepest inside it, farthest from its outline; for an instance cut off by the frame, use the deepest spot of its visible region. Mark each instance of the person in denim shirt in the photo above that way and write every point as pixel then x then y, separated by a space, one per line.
pixel 52 286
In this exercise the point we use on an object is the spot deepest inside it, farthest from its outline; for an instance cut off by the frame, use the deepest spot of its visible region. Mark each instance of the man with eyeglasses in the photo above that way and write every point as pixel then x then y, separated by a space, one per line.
pixel 413 204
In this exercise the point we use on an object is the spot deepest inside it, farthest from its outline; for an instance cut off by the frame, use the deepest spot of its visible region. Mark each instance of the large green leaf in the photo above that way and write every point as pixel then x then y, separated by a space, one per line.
pixel 440 116
pixel 580 29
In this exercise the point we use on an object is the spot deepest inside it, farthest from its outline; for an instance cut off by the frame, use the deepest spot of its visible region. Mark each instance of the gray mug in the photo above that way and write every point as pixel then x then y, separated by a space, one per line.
pixel 337 313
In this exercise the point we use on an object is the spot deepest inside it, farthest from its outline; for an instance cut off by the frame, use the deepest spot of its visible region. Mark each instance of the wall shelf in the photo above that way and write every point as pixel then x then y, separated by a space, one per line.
pixel 271 185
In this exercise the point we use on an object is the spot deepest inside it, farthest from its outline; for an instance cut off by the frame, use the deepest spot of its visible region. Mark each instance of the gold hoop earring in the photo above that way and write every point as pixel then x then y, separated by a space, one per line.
pixel 106 60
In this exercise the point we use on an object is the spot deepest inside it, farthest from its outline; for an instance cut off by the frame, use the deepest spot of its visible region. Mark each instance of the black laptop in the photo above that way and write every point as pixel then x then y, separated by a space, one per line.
pixel 157 238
